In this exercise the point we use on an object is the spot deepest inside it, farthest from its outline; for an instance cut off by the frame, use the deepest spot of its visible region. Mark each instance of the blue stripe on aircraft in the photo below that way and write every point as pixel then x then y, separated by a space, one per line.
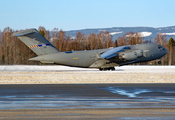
pixel 42 45
pixel 68 52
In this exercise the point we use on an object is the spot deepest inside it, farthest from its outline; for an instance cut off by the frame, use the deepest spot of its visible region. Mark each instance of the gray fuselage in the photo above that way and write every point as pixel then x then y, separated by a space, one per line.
pixel 147 52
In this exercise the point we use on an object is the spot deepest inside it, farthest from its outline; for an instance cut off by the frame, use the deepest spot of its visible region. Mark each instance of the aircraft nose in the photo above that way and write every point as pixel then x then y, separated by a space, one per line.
pixel 164 51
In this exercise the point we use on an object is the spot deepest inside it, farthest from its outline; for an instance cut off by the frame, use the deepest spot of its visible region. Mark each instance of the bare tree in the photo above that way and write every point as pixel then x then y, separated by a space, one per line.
pixel 130 39
pixel 171 45
pixel 161 40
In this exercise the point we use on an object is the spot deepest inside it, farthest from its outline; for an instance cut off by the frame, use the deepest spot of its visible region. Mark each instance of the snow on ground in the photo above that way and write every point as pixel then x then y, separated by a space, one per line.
pixel 33 74
pixel 57 67
pixel 142 34
pixel 145 34
pixel 37 68
pixel 113 33
pixel 168 33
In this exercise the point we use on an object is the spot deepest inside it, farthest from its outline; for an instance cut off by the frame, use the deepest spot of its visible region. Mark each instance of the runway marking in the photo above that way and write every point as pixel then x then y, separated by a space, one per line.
pixel 128 93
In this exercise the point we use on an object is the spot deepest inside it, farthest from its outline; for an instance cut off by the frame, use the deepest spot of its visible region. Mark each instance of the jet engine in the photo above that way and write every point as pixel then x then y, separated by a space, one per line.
pixel 128 56
pixel 139 53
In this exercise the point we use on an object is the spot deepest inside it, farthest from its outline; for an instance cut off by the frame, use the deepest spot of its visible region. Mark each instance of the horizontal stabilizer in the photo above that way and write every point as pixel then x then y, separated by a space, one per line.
pixel 24 34
pixel 42 59
pixel 47 62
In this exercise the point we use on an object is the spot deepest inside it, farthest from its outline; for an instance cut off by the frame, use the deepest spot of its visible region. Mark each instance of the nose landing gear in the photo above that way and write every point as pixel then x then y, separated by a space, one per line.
pixel 159 62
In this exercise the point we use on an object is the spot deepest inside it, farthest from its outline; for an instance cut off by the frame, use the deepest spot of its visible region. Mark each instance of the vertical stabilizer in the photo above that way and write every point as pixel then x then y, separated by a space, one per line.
pixel 35 41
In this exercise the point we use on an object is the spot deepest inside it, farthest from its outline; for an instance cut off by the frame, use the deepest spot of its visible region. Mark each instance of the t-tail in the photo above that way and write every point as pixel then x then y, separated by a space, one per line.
pixel 36 42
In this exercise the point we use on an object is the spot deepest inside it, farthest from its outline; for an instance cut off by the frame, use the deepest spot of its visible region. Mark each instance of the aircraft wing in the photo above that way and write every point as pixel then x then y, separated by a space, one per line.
pixel 113 52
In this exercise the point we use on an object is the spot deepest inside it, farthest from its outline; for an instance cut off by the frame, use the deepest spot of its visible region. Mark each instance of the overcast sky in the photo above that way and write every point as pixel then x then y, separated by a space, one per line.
pixel 82 14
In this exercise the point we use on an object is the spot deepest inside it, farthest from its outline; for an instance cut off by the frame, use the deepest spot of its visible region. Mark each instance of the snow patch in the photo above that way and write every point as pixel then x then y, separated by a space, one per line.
pixel 142 34
pixel 145 34
pixel 101 30
pixel 168 33
pixel 113 33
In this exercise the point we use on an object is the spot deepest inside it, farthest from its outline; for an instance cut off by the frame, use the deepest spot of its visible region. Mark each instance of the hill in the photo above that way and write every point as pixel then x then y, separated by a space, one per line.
pixel 147 32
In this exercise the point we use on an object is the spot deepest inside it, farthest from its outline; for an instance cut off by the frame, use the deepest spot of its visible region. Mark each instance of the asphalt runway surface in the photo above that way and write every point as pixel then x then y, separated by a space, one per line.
pixel 109 101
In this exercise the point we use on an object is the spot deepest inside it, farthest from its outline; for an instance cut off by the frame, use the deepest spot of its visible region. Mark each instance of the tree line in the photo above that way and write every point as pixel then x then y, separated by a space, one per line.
pixel 13 51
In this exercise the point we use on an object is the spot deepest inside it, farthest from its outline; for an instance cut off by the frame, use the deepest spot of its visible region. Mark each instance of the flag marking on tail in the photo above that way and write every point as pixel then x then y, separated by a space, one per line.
pixel 35 46
pixel 42 45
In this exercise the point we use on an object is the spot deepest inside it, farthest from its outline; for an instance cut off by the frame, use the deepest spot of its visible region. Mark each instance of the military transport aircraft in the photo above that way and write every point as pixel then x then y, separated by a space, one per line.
pixel 103 59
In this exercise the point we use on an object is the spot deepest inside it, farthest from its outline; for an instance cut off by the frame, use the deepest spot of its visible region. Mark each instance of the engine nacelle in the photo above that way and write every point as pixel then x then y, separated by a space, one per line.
pixel 128 56
pixel 139 53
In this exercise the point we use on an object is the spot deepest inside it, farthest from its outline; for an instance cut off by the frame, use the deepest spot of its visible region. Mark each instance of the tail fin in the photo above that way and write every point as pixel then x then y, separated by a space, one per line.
pixel 35 41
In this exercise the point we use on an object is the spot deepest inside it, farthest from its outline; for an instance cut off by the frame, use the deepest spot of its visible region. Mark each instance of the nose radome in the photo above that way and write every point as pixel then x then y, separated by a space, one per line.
pixel 165 51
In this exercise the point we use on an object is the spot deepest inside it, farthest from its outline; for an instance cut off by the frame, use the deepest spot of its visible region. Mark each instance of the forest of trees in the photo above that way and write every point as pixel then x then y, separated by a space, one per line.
pixel 14 52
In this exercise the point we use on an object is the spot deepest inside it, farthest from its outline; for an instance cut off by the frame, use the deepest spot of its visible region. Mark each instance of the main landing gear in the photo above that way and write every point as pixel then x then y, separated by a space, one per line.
pixel 105 69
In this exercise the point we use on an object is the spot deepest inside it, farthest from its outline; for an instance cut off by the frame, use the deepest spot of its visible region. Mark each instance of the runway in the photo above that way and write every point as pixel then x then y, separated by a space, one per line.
pixel 76 98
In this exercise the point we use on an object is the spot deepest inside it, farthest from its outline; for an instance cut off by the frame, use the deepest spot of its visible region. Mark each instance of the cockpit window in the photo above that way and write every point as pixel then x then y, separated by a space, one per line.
pixel 159 47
